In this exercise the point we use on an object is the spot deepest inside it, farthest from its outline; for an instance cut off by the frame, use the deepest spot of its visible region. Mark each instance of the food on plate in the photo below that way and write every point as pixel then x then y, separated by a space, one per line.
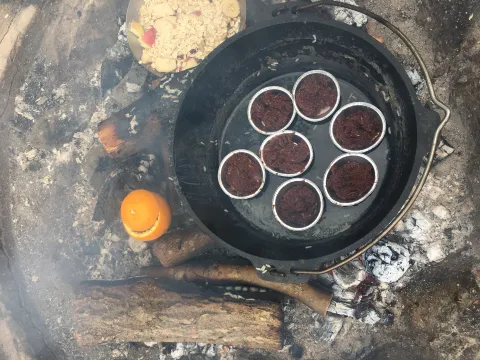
pixel 189 63
pixel 231 8
pixel 160 10
pixel 164 64
pixel 147 40
pixel 136 29
pixel 184 31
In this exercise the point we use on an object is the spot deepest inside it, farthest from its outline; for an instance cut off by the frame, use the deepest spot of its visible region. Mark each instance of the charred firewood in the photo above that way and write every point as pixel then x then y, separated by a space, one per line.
pixel 178 247
pixel 145 310
pixel 317 299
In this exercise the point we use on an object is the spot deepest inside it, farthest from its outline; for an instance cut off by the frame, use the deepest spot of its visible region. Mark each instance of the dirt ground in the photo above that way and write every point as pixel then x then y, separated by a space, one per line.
pixel 51 104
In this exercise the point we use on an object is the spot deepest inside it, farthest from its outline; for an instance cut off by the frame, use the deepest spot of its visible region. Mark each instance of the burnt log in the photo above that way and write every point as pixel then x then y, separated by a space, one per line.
pixel 134 128
pixel 177 247
pixel 145 310
pixel 315 298
pixel 124 134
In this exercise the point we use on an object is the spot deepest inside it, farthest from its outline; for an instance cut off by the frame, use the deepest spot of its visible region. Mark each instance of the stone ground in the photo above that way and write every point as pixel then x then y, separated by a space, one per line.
pixel 49 188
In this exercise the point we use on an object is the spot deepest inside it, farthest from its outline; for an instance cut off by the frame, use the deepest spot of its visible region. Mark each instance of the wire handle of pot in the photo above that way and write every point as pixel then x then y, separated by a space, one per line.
pixel 435 100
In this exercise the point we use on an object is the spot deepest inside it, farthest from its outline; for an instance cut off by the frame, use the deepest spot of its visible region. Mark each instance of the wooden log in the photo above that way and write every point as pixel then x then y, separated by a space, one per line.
pixel 121 139
pixel 316 298
pixel 133 128
pixel 178 247
pixel 145 310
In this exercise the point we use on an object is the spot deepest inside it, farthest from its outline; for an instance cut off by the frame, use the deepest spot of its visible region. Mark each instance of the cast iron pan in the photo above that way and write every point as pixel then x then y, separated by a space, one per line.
pixel 212 121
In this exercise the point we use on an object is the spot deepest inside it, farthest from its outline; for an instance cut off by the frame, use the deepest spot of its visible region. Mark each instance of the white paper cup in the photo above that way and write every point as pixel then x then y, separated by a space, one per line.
pixel 225 186
pixel 284 187
pixel 297 83
pixel 331 196
pixel 268 139
pixel 260 92
pixel 359 105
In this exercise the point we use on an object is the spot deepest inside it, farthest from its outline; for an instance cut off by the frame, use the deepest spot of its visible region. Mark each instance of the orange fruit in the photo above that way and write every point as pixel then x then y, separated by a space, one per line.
pixel 146 216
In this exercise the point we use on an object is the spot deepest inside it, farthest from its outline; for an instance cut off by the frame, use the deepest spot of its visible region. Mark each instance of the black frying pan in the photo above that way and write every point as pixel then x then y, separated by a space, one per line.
pixel 212 121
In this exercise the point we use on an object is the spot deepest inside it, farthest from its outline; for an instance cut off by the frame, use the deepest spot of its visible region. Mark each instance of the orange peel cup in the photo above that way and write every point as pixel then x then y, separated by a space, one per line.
pixel 146 215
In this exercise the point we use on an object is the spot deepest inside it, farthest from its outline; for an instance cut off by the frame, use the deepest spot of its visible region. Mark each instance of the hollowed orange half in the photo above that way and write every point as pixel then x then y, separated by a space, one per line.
pixel 146 216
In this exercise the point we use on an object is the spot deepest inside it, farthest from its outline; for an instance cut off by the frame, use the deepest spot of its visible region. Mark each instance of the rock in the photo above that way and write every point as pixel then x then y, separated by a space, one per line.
pixel 387 261
pixel 349 275
pixel 137 246
pixel 441 212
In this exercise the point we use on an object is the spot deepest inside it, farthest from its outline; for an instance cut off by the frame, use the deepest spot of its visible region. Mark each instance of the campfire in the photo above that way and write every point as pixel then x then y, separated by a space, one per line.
pixel 200 290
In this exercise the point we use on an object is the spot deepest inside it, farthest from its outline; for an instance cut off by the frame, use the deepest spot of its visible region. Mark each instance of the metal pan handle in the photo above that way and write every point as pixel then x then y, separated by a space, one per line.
pixel 428 165
pixel 257 12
